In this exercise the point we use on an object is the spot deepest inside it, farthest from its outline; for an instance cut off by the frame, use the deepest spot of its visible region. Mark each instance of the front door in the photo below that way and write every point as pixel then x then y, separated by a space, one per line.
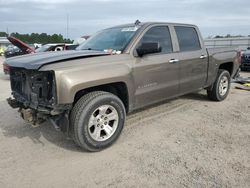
pixel 155 75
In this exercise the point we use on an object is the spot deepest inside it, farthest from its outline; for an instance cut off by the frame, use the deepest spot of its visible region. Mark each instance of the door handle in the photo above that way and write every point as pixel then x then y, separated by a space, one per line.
pixel 203 56
pixel 173 60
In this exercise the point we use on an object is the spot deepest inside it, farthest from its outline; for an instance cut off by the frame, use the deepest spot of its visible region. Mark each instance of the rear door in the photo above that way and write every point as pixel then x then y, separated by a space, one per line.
pixel 155 77
pixel 193 59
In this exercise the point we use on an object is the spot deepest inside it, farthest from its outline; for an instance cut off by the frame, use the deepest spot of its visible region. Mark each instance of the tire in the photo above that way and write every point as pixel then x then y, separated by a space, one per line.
pixel 220 92
pixel 96 120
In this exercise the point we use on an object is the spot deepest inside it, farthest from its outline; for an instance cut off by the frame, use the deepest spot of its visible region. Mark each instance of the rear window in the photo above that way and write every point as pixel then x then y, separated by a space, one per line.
pixel 188 38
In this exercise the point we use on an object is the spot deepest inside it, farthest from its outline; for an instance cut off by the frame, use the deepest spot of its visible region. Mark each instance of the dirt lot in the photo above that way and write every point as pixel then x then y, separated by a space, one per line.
pixel 186 142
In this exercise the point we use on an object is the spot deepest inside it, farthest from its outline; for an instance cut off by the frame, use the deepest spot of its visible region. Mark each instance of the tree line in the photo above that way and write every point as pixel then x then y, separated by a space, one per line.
pixel 226 36
pixel 229 36
pixel 41 38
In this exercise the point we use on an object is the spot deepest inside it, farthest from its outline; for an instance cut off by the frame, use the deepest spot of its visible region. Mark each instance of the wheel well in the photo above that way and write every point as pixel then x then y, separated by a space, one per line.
pixel 119 89
pixel 227 66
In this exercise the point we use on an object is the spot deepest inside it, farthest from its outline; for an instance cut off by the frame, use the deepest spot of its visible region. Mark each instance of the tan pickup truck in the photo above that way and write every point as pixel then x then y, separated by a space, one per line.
pixel 87 93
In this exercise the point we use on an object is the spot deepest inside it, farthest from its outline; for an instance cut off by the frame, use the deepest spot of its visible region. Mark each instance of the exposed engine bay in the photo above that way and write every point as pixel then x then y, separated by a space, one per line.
pixel 34 93
pixel 33 88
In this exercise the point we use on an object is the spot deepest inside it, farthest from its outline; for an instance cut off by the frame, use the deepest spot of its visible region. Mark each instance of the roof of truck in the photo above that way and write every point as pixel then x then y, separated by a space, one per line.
pixel 152 23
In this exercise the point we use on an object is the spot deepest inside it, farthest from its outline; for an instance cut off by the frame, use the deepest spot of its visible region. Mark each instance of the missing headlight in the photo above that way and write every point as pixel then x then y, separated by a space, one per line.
pixel 33 88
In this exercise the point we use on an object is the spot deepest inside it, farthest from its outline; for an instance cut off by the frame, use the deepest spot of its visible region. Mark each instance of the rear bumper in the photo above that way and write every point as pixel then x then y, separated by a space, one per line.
pixel 245 62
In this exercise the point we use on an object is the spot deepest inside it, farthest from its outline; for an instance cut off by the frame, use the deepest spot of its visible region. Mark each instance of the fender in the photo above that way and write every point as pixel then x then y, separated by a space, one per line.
pixel 69 83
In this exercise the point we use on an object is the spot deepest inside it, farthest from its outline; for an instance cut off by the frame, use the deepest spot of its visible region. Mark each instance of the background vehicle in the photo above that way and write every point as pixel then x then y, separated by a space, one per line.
pixel 21 48
pixel 56 47
pixel 18 48
pixel 245 60
pixel 88 92
pixel 12 51
pixel 80 40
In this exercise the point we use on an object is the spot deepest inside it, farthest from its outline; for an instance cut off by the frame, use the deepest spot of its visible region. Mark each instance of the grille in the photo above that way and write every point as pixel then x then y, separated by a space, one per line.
pixel 246 58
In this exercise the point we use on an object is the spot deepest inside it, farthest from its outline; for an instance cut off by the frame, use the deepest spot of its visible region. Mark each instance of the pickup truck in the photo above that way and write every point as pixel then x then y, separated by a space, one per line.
pixel 245 60
pixel 87 93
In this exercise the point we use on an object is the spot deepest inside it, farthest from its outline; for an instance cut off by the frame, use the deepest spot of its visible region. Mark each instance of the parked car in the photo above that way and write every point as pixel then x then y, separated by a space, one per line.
pixel 12 51
pixel 245 60
pixel 56 47
pixel 20 48
pixel 17 48
pixel 88 92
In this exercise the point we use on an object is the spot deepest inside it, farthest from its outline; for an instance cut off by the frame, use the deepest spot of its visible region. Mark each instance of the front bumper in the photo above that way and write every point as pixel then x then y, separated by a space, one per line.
pixel 58 115
pixel 56 110
pixel 245 65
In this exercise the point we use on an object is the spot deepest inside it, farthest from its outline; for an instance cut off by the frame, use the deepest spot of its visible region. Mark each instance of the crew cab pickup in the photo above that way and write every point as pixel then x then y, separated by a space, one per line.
pixel 88 92
pixel 245 60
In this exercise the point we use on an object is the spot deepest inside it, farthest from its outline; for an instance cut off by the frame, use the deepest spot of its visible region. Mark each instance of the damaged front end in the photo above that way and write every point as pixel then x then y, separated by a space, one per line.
pixel 34 93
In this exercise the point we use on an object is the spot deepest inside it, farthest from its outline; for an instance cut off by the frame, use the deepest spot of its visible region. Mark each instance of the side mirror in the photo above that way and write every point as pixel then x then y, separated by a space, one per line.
pixel 148 48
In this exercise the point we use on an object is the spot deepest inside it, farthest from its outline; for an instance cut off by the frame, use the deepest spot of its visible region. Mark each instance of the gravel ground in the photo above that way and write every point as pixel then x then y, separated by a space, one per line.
pixel 186 142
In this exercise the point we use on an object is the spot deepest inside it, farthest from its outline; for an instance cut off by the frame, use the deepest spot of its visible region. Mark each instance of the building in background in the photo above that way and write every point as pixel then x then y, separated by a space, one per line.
pixel 4 42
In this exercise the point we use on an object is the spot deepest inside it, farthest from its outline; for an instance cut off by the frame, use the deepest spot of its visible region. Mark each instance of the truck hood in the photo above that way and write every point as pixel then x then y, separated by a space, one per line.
pixel 37 60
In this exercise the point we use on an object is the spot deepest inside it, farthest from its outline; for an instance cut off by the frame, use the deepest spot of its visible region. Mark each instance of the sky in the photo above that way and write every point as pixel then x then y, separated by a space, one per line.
pixel 214 17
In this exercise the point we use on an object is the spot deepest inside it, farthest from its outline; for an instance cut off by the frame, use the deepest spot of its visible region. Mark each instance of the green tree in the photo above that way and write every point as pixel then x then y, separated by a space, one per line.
pixel 3 34
pixel 42 38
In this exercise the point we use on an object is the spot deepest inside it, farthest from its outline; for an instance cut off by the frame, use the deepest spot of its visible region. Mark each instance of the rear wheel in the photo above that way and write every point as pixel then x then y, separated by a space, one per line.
pixel 97 120
pixel 221 86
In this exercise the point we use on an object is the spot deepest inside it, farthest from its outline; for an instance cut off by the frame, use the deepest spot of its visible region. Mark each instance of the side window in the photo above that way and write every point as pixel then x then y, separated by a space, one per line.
pixel 161 35
pixel 188 38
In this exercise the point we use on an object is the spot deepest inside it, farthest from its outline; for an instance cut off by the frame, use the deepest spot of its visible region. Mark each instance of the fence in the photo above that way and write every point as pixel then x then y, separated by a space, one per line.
pixel 240 43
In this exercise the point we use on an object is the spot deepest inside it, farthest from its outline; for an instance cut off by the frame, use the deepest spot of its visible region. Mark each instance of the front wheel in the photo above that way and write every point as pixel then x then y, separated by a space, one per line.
pixel 221 86
pixel 97 120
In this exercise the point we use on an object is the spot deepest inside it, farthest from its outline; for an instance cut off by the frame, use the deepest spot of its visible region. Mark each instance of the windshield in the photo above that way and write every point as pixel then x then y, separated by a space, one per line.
pixel 110 39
